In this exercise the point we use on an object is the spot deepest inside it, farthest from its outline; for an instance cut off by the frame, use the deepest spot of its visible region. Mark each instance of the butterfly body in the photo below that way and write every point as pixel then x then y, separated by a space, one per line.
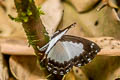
pixel 66 51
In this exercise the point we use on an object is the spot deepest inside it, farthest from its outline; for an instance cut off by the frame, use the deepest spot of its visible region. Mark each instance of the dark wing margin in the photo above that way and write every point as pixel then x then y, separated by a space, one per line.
pixel 90 50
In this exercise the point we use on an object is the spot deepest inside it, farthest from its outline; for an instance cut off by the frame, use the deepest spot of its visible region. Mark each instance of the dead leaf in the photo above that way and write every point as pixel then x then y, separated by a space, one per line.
pixel 109 46
pixel 69 76
pixel 15 46
pixel 103 68
pixel 26 68
pixel 95 24
pixel 53 10
pixel 8 27
pixel 83 6
pixel 4 75
pixel 79 74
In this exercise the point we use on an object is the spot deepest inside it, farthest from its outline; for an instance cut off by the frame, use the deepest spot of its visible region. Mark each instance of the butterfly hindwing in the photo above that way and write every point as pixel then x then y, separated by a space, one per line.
pixel 70 51
pixel 90 49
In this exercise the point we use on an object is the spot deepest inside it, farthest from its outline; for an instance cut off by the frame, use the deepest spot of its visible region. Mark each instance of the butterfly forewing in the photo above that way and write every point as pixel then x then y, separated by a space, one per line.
pixel 70 51
pixel 57 35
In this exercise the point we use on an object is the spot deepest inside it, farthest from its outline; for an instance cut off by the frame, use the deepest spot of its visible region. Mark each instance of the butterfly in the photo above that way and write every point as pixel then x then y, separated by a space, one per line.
pixel 65 51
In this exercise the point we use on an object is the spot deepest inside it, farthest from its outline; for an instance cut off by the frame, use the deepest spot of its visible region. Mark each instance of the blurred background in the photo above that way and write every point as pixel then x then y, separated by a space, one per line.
pixel 18 61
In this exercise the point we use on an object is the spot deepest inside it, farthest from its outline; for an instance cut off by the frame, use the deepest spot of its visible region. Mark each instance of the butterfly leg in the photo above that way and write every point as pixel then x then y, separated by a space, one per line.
pixel 42 49
pixel 43 58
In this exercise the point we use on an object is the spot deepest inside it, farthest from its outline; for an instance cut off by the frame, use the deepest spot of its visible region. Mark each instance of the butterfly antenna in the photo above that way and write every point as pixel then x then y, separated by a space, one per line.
pixel 72 25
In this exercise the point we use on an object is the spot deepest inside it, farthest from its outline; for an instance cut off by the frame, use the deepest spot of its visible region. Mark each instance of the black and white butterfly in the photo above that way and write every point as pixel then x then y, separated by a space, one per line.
pixel 65 51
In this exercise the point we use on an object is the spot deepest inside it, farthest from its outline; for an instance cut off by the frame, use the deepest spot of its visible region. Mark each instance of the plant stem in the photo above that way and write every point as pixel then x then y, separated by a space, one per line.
pixel 32 24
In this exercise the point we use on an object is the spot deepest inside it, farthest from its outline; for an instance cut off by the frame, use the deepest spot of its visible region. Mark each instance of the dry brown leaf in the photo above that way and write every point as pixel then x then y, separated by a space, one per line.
pixel 83 5
pixel 109 45
pixel 70 17
pixel 75 74
pixel 103 68
pixel 4 75
pixel 8 48
pixel 26 68
pixel 15 46
pixel 9 27
pixel 115 75
pixel 79 74
pixel 39 2
pixel 53 10
pixel 5 29
pixel 69 76
pixel 108 66
pixel 95 24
